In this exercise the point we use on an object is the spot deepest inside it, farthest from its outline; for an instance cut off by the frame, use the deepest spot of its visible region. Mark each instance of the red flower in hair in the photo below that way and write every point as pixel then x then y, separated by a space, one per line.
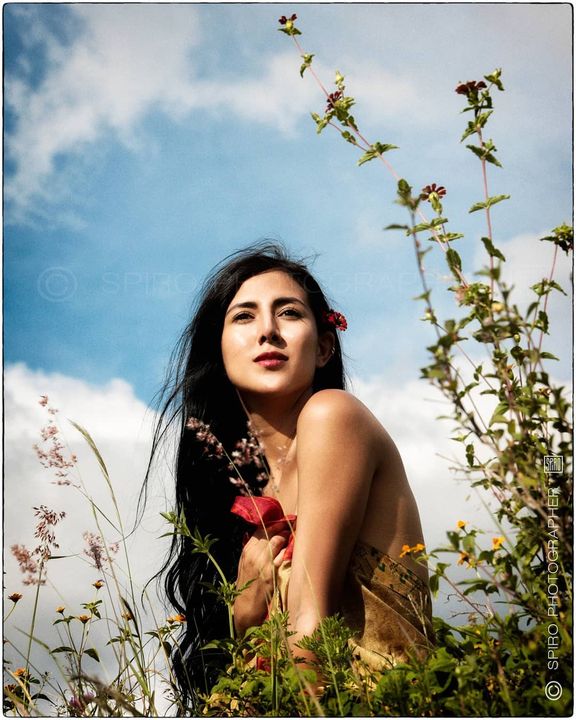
pixel 335 319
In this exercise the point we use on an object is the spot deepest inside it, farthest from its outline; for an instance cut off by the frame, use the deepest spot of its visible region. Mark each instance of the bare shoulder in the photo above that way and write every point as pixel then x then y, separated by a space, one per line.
pixel 338 408
pixel 339 412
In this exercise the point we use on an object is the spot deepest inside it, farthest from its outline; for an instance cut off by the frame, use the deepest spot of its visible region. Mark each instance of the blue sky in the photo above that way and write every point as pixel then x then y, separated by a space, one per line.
pixel 143 143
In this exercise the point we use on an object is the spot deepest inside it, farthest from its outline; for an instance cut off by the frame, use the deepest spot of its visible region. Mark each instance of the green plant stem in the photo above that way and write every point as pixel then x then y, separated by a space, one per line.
pixel 34 613
pixel 388 165
pixel 488 216
pixel 552 270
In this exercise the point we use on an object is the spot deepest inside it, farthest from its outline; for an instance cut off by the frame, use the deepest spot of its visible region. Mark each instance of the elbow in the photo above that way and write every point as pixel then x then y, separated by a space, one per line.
pixel 304 621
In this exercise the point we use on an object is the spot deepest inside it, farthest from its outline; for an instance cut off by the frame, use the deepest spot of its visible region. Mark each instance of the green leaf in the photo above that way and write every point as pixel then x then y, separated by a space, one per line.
pixel 488 203
pixel 383 147
pixel 396 227
pixel 447 237
pixel 545 286
pixel 289 30
pixel 498 414
pixel 41 696
pixel 563 236
pixel 306 64
pixel 476 124
pixel 491 250
pixel 429 225
pixel 494 78
pixel 61 649
pixel 493 160
pixel 376 150
pixel 320 122
pixel 454 261
pixel 404 188
pixel 339 80
pixel 91 652
pixel 348 137
pixel 485 154
pixel 86 435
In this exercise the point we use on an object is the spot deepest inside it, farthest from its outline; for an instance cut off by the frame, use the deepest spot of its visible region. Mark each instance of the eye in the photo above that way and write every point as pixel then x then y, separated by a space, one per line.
pixel 291 312
pixel 242 317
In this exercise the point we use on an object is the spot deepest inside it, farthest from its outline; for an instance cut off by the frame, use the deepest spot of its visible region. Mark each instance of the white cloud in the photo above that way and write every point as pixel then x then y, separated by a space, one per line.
pixel 278 97
pixel 120 426
pixel 528 261
pixel 125 62
pixel 409 412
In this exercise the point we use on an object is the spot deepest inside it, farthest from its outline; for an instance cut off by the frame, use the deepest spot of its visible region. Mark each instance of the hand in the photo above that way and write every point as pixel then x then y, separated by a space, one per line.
pixel 261 556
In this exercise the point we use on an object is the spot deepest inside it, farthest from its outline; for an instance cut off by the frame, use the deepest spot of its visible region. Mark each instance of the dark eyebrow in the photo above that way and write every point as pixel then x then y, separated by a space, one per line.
pixel 276 303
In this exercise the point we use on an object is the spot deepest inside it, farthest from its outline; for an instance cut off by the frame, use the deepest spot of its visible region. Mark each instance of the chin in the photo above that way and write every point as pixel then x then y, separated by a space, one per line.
pixel 277 386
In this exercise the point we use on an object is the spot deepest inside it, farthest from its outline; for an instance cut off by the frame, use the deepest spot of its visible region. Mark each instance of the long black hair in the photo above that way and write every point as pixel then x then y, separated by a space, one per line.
pixel 197 387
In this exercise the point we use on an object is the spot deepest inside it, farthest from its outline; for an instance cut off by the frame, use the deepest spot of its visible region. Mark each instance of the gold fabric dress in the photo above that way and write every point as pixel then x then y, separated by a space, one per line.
pixel 386 605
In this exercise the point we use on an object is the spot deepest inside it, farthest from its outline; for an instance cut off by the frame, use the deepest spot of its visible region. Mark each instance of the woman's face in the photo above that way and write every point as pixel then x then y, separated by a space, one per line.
pixel 270 342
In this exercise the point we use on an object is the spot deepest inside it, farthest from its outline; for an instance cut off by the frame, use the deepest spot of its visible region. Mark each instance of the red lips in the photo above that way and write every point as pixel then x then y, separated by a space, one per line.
pixel 270 356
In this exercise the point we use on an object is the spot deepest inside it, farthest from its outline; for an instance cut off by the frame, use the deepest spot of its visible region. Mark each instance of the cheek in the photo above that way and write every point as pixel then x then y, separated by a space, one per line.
pixel 307 345
pixel 233 346
pixel 228 347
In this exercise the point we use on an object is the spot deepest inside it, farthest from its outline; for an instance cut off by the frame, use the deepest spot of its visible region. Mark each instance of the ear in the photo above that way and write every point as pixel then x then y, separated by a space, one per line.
pixel 326 344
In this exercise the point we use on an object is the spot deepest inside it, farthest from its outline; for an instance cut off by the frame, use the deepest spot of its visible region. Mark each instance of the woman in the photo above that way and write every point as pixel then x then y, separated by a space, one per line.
pixel 262 359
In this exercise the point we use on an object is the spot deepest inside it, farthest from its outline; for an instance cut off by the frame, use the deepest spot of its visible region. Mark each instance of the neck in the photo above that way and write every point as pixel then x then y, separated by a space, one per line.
pixel 274 421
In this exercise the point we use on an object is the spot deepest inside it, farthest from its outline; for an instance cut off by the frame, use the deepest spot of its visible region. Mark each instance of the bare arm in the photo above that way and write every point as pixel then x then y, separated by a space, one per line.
pixel 336 464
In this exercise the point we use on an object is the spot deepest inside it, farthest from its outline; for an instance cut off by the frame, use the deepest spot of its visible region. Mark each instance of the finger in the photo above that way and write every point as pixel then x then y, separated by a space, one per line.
pixel 279 559
pixel 276 544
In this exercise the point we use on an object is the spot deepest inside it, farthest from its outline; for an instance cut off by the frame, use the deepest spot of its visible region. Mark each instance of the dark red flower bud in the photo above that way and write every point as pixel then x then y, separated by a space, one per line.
pixel 470 87
pixel 332 99
pixel 440 190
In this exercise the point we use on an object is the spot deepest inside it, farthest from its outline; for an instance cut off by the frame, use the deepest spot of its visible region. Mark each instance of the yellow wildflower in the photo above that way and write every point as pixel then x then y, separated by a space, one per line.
pixel 407 550
pixel 497 542
pixel 464 558
pixel 60 609
pixel 176 619
pixel 461 524
pixel 15 597
pixel 98 584
pixel 84 618
pixel 19 672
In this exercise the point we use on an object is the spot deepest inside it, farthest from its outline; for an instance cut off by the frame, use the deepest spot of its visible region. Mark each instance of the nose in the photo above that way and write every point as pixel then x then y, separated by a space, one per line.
pixel 268 329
